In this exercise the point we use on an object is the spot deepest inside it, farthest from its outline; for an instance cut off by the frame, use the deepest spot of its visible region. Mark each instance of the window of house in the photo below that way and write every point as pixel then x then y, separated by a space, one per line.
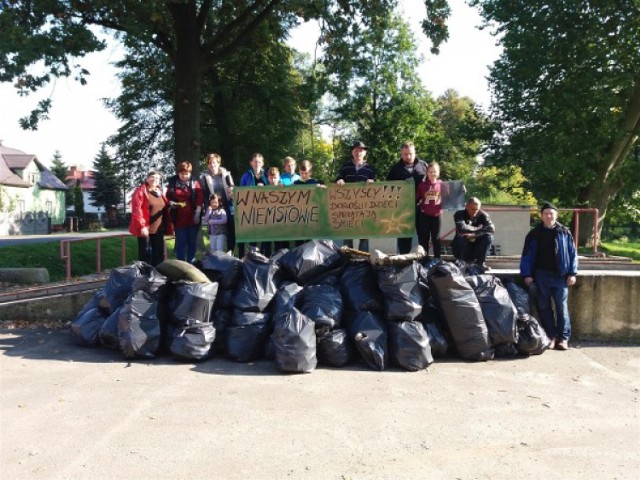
pixel 49 207
pixel 21 208
pixel 33 177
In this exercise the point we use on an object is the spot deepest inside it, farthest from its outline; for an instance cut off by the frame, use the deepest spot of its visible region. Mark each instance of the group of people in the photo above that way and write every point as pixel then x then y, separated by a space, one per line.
pixel 549 258
pixel 189 203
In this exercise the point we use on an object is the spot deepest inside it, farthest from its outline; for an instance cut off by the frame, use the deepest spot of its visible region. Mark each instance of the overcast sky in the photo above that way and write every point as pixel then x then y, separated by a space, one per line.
pixel 78 122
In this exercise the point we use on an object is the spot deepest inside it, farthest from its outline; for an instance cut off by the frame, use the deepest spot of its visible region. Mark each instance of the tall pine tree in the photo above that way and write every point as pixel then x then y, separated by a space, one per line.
pixel 59 169
pixel 107 192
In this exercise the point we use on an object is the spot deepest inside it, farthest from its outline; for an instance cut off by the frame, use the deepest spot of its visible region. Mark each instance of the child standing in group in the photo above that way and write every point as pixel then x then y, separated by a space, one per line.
pixel 306 175
pixel 273 177
pixel 429 197
pixel 216 220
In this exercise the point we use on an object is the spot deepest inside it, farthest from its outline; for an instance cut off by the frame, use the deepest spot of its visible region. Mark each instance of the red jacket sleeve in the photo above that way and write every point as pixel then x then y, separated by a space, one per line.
pixel 139 211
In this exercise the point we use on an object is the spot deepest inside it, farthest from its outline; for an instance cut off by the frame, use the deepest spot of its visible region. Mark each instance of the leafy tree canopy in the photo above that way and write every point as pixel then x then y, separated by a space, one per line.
pixel 567 96
pixel 191 35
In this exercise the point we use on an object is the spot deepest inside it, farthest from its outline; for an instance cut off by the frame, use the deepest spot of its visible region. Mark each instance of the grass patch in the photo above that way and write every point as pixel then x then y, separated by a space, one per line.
pixel 83 256
pixel 622 249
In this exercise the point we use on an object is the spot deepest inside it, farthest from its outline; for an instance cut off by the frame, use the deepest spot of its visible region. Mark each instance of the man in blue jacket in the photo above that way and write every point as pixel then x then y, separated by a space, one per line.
pixel 549 259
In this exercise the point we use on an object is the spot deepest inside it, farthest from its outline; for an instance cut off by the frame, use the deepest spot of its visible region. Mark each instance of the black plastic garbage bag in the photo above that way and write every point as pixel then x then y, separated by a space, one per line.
pixel 403 296
pixel 246 343
pixel 193 343
pixel 506 350
pixel 118 287
pixel 369 333
pixel 139 326
pixel 498 310
pixel 222 268
pixel 258 284
pixel 221 318
pixel 150 280
pixel 532 339
pixel 334 348
pixel 437 341
pixel 468 269
pixel 294 342
pixel 519 296
pixel 322 304
pixel 241 318
pixel 108 334
pixel 192 302
pixel 359 287
pixel 409 345
pixel 310 259
pixel 288 295
pixel 224 298
pixel 434 324
pixel 461 310
pixel 86 326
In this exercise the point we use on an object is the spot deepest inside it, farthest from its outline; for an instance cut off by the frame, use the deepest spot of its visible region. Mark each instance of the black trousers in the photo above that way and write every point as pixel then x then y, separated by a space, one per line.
pixel 151 248
pixel 429 230
pixel 468 251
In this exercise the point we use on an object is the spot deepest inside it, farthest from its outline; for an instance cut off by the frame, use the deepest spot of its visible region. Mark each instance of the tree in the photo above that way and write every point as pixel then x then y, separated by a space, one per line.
pixel 567 97
pixel 463 131
pixel 107 192
pixel 505 185
pixel 193 36
pixel 59 169
pixel 377 95
pixel 78 200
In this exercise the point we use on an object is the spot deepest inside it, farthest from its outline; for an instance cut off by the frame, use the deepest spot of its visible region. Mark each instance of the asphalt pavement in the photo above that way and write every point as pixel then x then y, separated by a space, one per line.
pixel 69 412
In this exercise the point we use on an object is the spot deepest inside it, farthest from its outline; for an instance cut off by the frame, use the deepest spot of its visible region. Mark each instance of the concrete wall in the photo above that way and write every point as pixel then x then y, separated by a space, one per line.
pixel 603 306
pixel 606 306
pixel 511 228
pixel 57 307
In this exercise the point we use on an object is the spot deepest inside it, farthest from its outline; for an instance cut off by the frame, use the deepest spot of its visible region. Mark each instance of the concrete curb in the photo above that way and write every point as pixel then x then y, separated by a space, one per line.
pixel 24 275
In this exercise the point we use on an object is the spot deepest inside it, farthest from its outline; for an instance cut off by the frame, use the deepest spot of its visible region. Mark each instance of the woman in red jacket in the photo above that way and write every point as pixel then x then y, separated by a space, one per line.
pixel 150 219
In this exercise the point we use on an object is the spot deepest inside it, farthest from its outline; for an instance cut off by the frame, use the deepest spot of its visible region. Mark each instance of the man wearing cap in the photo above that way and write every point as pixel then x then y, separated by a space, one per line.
pixel 474 234
pixel 550 261
pixel 356 171
pixel 408 167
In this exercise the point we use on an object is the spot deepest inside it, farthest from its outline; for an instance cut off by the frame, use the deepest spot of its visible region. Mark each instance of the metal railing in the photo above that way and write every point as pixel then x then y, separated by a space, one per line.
pixel 65 250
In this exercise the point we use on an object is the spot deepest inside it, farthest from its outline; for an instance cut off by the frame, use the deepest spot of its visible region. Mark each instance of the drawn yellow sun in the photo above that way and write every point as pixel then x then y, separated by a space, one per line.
pixel 395 224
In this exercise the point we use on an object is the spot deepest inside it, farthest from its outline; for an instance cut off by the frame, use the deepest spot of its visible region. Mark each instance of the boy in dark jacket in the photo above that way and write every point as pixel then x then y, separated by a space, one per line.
pixel 549 259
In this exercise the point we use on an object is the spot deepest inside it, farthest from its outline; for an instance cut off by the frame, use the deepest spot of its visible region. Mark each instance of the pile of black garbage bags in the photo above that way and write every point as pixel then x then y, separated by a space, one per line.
pixel 310 305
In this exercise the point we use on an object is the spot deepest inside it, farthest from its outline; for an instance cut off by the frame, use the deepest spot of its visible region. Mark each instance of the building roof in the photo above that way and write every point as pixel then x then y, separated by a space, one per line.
pixel 7 176
pixel 12 159
pixel 50 181
pixel 87 178
pixel 18 161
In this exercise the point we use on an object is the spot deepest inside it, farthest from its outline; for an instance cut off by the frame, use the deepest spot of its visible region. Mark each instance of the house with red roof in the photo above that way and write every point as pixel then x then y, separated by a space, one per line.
pixel 29 193
pixel 87 180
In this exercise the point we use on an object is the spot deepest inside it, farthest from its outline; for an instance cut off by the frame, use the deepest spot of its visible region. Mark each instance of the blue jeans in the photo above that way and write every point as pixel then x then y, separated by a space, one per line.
pixel 186 238
pixel 553 286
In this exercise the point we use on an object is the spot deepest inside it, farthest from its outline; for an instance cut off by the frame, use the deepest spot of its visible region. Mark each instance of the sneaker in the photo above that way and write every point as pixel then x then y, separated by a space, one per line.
pixel 552 344
pixel 562 345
